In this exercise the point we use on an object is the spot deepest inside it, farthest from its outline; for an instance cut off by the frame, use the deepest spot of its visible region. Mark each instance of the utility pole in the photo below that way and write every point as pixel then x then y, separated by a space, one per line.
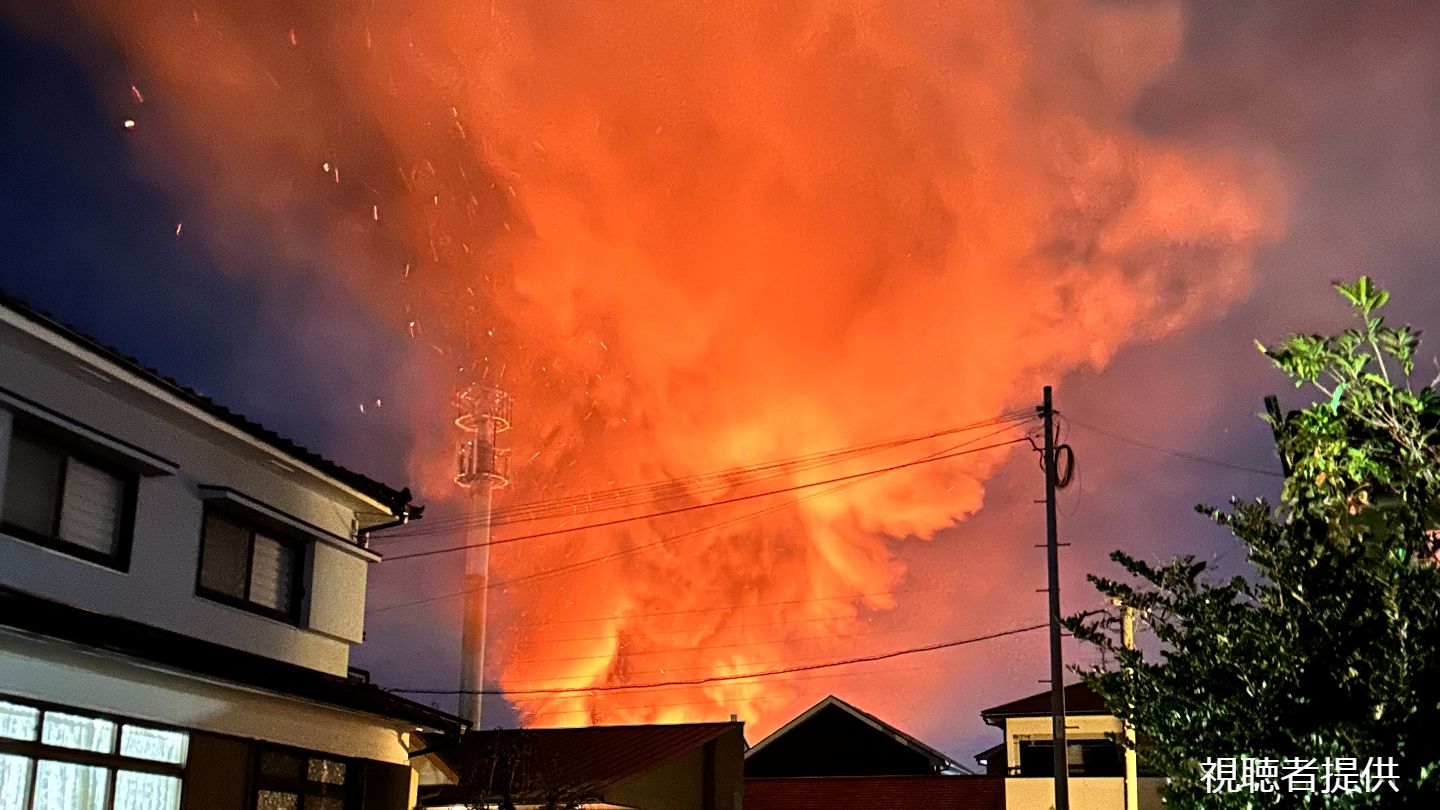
pixel 1057 663
pixel 1132 761
pixel 476 579
pixel 482 414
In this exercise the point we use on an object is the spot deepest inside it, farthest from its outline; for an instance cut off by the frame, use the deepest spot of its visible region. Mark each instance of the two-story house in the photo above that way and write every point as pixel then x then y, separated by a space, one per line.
pixel 1092 746
pixel 180 590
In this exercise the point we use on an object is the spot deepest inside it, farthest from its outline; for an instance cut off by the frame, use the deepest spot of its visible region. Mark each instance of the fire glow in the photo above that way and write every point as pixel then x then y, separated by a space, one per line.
pixel 695 235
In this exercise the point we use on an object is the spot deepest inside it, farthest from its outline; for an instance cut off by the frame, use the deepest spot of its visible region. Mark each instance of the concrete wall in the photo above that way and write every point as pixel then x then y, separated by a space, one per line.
pixel 159 587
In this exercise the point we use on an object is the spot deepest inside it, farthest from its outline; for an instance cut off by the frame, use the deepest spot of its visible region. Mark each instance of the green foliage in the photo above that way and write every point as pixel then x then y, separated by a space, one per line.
pixel 1333 648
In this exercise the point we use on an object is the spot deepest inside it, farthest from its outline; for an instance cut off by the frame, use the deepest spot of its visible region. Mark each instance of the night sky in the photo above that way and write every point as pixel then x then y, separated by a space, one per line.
pixel 1345 94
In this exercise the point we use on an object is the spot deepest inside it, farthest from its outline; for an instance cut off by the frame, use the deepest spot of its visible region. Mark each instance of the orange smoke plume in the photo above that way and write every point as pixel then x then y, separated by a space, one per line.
pixel 690 236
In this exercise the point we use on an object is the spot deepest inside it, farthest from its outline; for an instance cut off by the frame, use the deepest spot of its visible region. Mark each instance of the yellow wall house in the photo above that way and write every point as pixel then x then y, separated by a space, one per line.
pixel 1097 764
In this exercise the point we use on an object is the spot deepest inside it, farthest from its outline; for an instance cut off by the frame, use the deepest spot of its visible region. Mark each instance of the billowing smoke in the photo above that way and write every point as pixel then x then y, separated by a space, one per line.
pixel 689 236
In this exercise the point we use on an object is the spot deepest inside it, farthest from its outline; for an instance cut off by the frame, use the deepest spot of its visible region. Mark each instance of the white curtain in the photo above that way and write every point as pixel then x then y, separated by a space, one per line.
pixel 68 786
pixel 146 791
pixel 14 782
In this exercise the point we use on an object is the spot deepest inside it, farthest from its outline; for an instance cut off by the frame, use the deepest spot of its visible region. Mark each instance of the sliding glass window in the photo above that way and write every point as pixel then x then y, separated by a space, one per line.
pixel 57 759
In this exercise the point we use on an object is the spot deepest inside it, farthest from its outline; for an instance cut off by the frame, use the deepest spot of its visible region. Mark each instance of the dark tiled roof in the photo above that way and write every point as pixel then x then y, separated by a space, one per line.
pixel 397 500
pixel 870 792
pixel 1079 699
pixel 594 758
pixel 37 616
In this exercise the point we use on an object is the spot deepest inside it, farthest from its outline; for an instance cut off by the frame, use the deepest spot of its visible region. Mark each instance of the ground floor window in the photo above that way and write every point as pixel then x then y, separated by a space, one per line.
pixel 287 779
pixel 60 759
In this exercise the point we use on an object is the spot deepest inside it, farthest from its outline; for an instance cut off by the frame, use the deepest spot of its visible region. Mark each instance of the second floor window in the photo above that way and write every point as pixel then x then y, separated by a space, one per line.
pixel 67 499
pixel 250 565
pixel 1085 757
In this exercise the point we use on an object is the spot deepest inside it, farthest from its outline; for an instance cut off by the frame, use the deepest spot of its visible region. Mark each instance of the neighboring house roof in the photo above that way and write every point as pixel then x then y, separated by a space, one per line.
pixel 592 758
pixel 990 756
pixel 398 501
pixel 936 760
pixel 1079 699
pixel 37 616
pixel 870 792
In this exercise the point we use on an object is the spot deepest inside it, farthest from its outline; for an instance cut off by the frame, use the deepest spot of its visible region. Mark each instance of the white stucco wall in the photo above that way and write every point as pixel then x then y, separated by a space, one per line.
pixel 159 587
pixel 54 672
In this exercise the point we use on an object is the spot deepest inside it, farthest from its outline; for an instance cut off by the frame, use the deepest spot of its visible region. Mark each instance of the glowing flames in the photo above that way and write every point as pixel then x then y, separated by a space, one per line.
pixel 695 235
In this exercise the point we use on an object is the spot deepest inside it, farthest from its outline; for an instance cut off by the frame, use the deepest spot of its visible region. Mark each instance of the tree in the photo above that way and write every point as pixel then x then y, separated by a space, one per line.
pixel 1330 649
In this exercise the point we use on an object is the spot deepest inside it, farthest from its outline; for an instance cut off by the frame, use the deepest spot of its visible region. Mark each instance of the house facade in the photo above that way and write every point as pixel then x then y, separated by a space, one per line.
pixel 180 590
pixel 1025 757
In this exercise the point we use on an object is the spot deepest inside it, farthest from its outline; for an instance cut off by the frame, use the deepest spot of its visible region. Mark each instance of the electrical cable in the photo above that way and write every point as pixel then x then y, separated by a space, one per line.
pixel 689 487
pixel 662 541
pixel 1178 453
pixel 673 650
pixel 724 678
pixel 713 704
pixel 694 507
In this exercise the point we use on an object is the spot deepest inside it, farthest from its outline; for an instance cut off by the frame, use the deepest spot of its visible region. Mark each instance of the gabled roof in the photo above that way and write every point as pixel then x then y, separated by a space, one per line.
pixel 1079 699
pixel 182 654
pixel 938 759
pixel 988 756
pixel 870 792
pixel 593 758
pixel 398 501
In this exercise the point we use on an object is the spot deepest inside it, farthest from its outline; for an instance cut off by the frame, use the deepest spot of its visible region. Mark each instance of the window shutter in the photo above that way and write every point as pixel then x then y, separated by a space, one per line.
pixel 223 561
pixel 90 510
pixel 272 573
pixel 32 486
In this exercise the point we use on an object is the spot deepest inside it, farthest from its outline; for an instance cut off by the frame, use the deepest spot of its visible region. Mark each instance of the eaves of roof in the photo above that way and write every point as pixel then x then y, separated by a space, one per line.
pixel 398 501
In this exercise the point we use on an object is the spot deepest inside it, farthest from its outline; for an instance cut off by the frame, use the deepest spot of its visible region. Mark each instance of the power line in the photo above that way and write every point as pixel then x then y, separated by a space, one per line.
pixel 1177 453
pixel 685 487
pixel 694 507
pixel 724 678
pixel 707 648
pixel 550 572
pixel 722 704
pixel 646 546
pixel 684 630
pixel 718 609
pixel 688 487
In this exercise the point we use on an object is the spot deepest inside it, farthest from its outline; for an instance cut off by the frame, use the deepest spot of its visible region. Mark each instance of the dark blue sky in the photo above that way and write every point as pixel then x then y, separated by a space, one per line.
pixel 91 238
pixel 1346 93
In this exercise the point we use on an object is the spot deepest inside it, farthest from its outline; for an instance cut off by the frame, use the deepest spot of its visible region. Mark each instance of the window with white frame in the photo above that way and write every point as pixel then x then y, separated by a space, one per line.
pixel 61 495
pixel 249 565
pixel 58 759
